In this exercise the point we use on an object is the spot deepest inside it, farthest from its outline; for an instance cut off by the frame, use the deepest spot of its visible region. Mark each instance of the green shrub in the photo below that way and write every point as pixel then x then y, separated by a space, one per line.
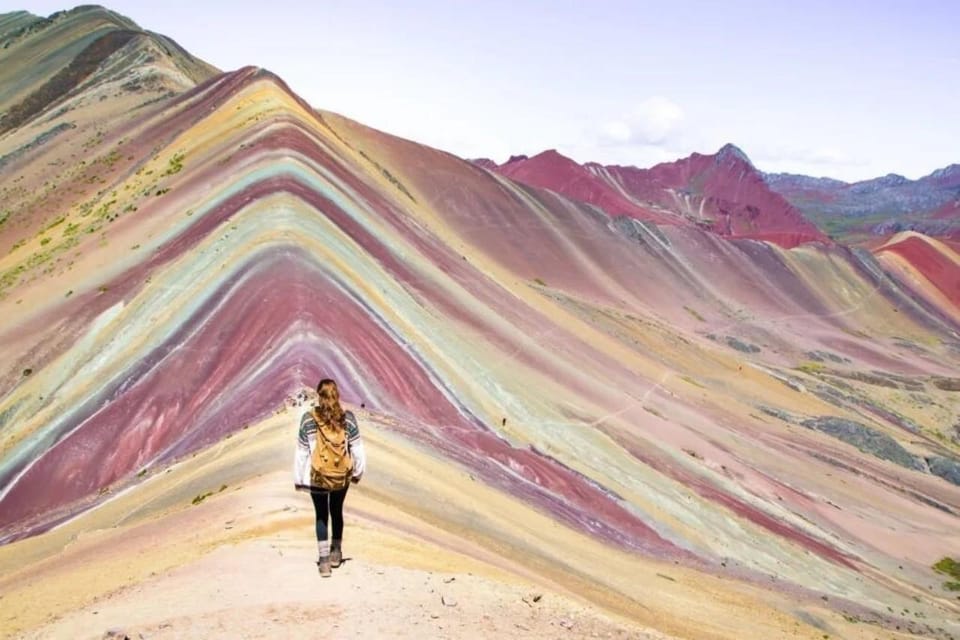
pixel 58 220
pixel 811 368
pixel 949 567
pixel 175 165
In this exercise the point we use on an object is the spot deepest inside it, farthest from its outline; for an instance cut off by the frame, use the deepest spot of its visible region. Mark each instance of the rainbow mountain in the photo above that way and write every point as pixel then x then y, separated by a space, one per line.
pixel 184 252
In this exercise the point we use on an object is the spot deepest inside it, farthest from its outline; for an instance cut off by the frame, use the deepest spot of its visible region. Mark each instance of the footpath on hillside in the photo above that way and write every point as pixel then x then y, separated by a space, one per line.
pixel 269 588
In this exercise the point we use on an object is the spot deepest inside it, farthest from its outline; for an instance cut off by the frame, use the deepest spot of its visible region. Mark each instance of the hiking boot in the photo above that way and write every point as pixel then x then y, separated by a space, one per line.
pixel 336 557
pixel 323 565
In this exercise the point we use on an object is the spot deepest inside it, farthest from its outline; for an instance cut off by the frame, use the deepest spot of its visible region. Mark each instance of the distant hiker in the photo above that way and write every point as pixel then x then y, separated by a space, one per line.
pixel 328 458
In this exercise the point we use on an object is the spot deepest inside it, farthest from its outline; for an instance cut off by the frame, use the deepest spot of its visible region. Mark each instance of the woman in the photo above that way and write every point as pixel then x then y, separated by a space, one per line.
pixel 327 503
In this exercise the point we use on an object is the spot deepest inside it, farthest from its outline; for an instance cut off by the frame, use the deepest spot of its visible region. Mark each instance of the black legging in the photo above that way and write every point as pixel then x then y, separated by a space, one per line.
pixel 329 504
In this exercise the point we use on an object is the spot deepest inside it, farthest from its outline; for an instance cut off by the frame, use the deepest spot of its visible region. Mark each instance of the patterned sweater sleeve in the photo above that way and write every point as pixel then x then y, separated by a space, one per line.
pixel 356 446
pixel 301 457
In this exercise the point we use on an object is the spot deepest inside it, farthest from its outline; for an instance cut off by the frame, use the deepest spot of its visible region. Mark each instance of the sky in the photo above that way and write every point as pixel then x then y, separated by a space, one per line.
pixel 847 89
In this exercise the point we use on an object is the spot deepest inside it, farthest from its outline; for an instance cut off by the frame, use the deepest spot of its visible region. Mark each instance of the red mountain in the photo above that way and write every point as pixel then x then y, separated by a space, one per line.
pixel 550 170
pixel 723 192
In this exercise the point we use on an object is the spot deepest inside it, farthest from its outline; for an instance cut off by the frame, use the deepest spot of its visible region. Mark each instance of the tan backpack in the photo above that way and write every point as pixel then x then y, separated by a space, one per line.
pixel 330 461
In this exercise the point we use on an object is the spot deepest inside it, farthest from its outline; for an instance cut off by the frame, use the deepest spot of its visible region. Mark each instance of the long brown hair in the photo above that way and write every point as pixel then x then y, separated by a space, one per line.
pixel 328 410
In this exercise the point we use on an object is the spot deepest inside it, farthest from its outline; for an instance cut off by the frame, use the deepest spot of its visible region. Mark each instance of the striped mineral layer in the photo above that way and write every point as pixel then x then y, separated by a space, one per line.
pixel 184 252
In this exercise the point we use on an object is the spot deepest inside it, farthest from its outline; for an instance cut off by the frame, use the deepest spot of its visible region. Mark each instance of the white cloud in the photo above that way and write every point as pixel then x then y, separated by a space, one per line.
pixel 616 132
pixel 653 122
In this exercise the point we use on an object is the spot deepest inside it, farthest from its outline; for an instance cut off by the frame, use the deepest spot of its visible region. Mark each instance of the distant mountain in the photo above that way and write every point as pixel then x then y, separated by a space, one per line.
pixel 723 193
pixel 727 195
pixel 51 61
pixel 880 206
pixel 486 163
pixel 544 376
pixel 76 80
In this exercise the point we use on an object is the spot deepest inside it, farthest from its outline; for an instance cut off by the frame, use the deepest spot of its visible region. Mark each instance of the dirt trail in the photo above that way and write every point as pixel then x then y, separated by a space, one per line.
pixel 269 588
pixel 220 546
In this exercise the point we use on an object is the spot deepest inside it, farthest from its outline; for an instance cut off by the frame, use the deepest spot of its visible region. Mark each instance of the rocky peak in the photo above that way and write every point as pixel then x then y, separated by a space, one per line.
pixel 949 175
pixel 486 163
pixel 731 152
pixel 890 180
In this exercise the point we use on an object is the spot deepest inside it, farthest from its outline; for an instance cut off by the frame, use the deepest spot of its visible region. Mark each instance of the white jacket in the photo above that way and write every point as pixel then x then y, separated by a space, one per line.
pixel 307 440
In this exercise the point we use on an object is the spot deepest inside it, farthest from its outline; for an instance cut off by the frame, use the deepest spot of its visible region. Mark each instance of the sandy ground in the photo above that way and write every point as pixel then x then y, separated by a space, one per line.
pixel 259 580
pixel 270 588
pixel 430 553
pixel 241 564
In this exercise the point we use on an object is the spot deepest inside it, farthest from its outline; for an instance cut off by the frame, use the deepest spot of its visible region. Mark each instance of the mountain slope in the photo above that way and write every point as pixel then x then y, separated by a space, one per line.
pixel 45 60
pixel 723 193
pixel 882 206
pixel 176 275
pixel 550 170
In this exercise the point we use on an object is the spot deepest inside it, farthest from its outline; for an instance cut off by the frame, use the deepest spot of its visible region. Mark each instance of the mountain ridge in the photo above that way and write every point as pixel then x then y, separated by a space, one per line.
pixel 572 375
pixel 721 192
pixel 887 204
pixel 74 44
pixel 879 206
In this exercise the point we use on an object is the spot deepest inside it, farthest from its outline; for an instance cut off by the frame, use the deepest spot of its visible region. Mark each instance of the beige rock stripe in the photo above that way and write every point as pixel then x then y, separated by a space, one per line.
pixel 413 512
